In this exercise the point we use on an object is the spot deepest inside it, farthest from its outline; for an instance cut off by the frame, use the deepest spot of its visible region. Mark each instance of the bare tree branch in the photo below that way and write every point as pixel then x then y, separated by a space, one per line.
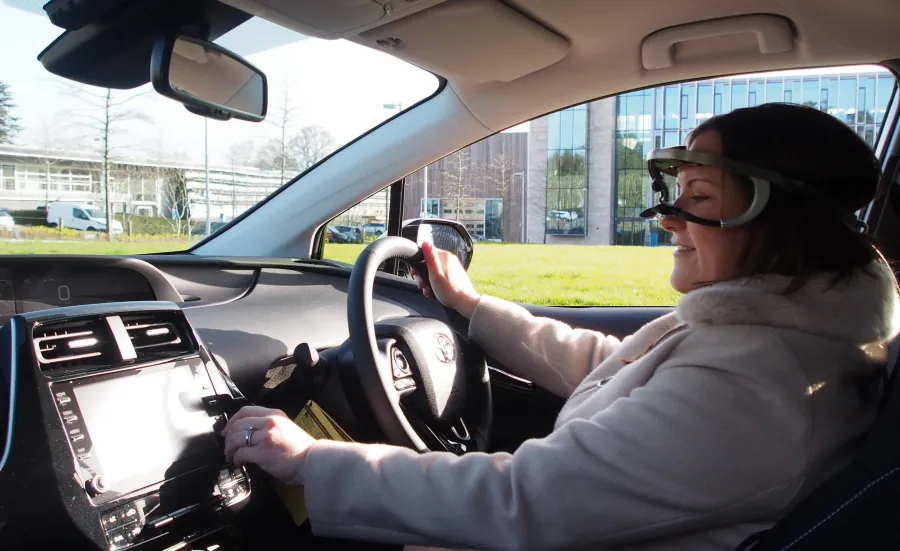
pixel 102 114
pixel 456 182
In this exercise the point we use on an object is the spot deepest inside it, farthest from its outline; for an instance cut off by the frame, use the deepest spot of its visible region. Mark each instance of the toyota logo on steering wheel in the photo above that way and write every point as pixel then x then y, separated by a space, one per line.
pixel 446 351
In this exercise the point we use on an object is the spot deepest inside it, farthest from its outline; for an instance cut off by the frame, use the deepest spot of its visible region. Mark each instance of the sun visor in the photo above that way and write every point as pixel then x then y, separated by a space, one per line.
pixel 472 40
pixel 331 19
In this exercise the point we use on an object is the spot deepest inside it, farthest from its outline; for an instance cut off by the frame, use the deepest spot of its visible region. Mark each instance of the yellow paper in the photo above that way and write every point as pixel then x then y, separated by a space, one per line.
pixel 319 425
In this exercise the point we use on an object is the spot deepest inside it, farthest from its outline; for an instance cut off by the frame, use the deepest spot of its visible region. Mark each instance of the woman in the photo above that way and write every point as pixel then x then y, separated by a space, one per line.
pixel 706 425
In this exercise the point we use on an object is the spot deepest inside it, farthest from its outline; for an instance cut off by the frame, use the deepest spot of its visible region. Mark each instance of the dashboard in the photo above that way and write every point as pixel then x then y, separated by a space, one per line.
pixel 110 407
pixel 238 321
pixel 30 288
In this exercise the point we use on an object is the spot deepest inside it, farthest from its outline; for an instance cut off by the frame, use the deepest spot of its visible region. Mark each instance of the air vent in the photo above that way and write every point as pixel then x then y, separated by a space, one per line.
pixel 104 342
pixel 158 335
pixel 74 345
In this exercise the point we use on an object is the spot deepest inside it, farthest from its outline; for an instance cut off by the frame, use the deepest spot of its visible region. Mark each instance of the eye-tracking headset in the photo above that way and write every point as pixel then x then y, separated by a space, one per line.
pixel 661 162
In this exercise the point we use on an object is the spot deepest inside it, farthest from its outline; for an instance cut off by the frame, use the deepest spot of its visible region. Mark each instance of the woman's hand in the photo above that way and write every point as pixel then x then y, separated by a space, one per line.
pixel 449 282
pixel 277 445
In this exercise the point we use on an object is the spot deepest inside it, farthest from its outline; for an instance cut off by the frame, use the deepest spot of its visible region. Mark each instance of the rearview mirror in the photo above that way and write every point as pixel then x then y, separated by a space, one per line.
pixel 208 79
pixel 443 234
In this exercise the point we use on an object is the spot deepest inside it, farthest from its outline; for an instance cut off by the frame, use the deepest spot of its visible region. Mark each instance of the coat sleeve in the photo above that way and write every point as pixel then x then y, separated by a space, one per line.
pixel 548 352
pixel 694 448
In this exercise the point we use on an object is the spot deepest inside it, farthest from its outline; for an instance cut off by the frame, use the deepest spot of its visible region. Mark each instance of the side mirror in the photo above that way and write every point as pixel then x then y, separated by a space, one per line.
pixel 208 79
pixel 444 234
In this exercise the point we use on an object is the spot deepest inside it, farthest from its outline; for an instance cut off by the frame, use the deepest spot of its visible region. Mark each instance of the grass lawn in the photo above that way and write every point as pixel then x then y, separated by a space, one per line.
pixel 564 275
pixel 536 274
pixel 87 247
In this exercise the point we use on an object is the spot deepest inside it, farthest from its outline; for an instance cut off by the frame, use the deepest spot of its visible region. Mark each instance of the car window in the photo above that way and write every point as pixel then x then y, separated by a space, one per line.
pixel 51 136
pixel 345 246
pixel 554 204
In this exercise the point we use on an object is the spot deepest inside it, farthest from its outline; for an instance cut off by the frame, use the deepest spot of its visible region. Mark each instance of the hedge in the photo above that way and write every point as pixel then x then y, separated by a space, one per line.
pixel 150 225
pixel 30 217
pixel 68 234
pixel 140 225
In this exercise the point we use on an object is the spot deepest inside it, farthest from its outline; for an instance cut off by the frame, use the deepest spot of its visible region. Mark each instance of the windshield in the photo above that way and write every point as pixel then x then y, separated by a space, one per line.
pixel 322 94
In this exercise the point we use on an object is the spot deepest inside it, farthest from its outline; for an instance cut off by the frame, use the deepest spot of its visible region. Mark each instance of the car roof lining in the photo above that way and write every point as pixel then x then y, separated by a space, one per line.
pixel 505 72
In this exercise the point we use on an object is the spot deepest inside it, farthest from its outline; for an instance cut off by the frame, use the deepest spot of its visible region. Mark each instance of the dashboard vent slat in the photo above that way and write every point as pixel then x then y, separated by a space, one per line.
pixel 73 345
pixel 90 344
pixel 158 335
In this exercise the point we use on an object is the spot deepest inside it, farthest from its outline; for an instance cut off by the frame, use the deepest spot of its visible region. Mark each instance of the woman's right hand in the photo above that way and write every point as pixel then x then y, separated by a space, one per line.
pixel 449 282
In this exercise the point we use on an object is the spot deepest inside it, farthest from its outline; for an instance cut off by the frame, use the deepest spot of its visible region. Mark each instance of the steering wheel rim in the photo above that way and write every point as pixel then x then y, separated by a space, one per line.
pixel 374 371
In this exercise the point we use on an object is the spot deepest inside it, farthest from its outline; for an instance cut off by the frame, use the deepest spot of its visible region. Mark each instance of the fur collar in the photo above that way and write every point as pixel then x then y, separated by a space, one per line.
pixel 862 310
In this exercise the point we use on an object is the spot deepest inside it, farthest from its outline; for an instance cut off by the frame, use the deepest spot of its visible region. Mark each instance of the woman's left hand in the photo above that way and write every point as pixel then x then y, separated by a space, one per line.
pixel 276 444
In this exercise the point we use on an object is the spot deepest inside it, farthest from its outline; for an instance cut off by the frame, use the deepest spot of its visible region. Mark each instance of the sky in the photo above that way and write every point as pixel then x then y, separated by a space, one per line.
pixel 339 85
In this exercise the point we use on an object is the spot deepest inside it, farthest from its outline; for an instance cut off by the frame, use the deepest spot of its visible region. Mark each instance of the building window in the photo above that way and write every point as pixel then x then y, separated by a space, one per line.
pixel 493 219
pixel 811 92
pixel 757 93
pixel 859 100
pixel 847 103
pixel 774 91
pixel 433 208
pixel 632 180
pixel 7 177
pixel 792 90
pixel 704 101
pixel 566 177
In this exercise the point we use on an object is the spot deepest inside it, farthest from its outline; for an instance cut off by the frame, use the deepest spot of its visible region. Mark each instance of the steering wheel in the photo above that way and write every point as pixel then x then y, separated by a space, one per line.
pixel 427 385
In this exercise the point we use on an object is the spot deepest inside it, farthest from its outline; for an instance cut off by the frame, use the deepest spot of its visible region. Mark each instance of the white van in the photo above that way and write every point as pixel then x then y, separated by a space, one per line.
pixel 80 217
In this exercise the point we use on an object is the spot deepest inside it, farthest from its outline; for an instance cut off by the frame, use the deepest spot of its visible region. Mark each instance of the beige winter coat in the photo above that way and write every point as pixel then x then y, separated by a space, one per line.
pixel 705 426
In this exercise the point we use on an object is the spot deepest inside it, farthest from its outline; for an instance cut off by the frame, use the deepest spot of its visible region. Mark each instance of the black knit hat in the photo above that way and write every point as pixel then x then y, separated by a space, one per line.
pixel 804 144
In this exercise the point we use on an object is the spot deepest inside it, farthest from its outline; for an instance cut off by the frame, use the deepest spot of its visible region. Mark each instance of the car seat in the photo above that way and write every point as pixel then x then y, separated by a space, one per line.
pixel 859 507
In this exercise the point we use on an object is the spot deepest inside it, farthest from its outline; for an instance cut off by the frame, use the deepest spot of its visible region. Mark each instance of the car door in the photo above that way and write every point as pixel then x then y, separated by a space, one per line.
pixel 80 219
pixel 558 205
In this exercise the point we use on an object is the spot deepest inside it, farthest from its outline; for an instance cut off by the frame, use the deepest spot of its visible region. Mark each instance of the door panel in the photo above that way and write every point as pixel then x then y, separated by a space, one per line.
pixel 523 410
pixel 609 320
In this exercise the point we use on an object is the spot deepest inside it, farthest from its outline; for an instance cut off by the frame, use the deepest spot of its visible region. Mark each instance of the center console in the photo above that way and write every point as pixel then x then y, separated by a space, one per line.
pixel 115 412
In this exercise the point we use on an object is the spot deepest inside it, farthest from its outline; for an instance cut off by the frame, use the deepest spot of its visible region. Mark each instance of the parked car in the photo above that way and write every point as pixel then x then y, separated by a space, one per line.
pixel 85 217
pixel 333 235
pixel 200 229
pixel 6 219
pixel 355 233
pixel 373 228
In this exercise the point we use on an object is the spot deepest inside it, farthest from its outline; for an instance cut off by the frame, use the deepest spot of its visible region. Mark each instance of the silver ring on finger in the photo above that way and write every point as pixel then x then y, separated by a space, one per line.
pixel 249 435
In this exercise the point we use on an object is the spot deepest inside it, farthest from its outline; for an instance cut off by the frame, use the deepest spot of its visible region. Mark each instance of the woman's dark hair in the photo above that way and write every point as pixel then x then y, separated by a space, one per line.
pixel 794 236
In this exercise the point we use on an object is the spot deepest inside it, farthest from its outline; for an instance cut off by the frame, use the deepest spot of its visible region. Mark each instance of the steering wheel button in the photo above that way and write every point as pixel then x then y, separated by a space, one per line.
pixel 404 384
pixel 399 363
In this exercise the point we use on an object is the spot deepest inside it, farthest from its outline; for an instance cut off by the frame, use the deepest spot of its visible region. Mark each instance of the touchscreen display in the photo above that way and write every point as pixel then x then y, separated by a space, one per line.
pixel 140 425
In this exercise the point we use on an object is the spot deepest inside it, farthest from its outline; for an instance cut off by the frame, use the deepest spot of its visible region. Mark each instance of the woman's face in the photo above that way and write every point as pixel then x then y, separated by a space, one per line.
pixel 704 254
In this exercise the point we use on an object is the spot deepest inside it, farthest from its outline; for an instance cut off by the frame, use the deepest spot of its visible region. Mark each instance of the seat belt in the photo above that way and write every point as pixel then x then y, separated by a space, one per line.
pixel 890 370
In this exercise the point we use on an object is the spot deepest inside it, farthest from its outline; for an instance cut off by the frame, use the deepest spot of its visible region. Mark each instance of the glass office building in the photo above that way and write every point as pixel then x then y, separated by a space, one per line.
pixel 662 117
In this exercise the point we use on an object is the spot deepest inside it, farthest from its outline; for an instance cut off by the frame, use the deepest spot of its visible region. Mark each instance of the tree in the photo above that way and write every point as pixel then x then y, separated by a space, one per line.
pixel 504 172
pixel 351 217
pixel 48 146
pixel 456 182
pixel 239 155
pixel 177 200
pixel 9 126
pixel 101 117
pixel 310 145
pixel 302 150
pixel 274 155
